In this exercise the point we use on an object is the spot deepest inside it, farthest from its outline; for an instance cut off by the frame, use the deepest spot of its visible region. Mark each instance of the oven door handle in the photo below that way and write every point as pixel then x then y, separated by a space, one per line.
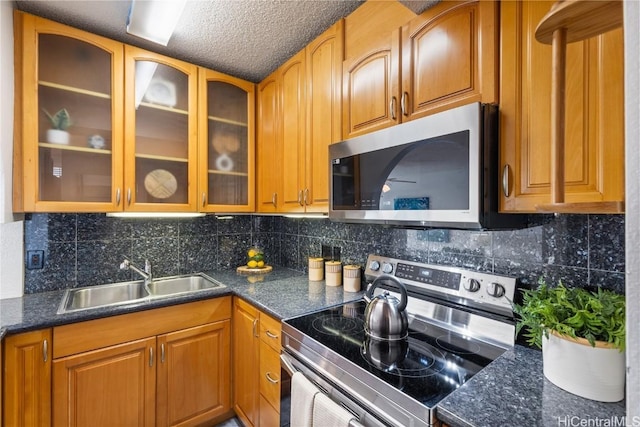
pixel 286 364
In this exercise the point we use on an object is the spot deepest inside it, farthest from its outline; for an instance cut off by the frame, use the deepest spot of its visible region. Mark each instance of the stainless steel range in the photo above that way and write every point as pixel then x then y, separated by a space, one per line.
pixel 459 321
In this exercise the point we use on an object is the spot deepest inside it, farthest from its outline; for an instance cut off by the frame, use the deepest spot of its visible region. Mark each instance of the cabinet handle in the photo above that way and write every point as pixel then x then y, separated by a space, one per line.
pixel 306 196
pixel 204 199
pixel 45 351
pixel 271 335
pixel 300 198
pixel 505 181
pixel 255 328
pixel 392 108
pixel 403 103
pixel 129 196
pixel 162 353
pixel 271 380
pixel 274 200
pixel 118 197
pixel 151 356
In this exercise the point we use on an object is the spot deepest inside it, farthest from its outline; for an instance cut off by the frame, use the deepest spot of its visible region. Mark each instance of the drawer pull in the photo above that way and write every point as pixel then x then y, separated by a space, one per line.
pixel 255 328
pixel 271 334
pixel 271 380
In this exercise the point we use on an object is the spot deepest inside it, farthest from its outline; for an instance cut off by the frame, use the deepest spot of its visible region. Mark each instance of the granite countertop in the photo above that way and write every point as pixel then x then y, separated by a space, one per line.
pixel 511 391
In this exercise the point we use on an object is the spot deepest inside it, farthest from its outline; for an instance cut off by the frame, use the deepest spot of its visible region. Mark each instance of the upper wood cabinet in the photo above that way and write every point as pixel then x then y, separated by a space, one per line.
pixel 443 58
pixel 594 129
pixel 160 132
pixel 298 117
pixel 226 110
pixel 27 379
pixel 78 167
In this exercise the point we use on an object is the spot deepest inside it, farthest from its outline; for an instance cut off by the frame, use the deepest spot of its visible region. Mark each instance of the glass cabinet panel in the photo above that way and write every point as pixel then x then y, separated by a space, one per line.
pixel 75 122
pixel 227 144
pixel 160 133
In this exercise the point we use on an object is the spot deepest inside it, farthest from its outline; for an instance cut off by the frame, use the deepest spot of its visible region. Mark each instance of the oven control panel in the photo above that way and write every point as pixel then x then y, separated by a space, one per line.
pixel 488 290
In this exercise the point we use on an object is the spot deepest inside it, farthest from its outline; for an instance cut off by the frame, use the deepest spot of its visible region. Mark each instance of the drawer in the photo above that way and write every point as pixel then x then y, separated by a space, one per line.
pixel 270 331
pixel 270 374
pixel 268 415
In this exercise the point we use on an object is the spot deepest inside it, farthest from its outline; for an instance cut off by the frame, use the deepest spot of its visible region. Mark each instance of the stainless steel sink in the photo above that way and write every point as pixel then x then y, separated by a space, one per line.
pixel 181 284
pixel 131 292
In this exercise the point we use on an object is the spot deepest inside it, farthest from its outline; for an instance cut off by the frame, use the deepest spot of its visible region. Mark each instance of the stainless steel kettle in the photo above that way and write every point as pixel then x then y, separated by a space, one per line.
pixel 385 317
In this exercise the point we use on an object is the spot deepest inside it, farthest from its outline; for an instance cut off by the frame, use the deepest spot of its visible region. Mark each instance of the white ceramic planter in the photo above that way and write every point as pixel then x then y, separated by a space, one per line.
pixel 57 136
pixel 596 373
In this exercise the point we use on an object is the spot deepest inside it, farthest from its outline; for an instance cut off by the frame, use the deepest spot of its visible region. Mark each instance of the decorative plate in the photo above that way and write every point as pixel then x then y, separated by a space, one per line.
pixel 160 183
pixel 161 92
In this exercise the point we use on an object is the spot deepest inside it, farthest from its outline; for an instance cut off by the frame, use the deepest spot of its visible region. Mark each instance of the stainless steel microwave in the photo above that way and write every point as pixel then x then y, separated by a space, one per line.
pixel 436 171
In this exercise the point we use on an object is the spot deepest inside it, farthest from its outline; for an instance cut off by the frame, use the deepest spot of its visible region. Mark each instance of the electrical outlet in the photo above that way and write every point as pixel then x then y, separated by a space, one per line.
pixel 35 260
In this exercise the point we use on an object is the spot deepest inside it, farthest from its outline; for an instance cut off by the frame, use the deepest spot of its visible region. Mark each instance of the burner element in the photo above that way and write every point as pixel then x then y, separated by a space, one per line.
pixel 336 324
pixel 403 358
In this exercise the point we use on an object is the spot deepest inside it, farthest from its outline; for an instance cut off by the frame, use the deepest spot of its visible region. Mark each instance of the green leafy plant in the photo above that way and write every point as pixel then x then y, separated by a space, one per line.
pixel 60 120
pixel 574 312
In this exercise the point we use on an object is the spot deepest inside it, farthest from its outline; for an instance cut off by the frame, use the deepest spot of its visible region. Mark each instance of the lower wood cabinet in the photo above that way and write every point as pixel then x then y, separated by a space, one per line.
pixel 163 367
pixel 257 372
pixel 26 376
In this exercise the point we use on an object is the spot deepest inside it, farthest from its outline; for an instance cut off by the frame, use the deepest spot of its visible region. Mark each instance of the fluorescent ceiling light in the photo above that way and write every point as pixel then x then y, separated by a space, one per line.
pixel 155 214
pixel 154 20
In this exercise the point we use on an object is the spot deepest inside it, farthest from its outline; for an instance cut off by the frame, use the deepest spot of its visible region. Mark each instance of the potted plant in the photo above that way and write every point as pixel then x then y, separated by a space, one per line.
pixel 582 336
pixel 60 122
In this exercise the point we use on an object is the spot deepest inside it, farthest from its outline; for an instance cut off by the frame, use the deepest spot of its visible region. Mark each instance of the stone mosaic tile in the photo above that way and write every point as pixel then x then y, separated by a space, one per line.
pixel 44 228
pixel 99 262
pixel 58 272
pixel 570 276
pixel 528 273
pixel 162 253
pixel 607 242
pixel 290 226
pixel 465 261
pixel 102 227
pixel 289 251
pixel 477 243
pixel 237 224
pixel 525 244
pixel 612 281
pixel 198 253
pixel 232 250
pixel 565 241
pixel 206 225
pixel 153 228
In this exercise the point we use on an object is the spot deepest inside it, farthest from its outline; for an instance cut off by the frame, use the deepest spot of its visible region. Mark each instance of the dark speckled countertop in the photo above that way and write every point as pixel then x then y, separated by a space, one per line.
pixel 511 391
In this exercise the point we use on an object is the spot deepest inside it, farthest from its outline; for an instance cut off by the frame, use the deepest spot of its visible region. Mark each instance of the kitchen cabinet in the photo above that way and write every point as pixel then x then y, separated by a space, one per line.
pixel 160 149
pixel 226 143
pixel 27 379
pixel 59 68
pixel 131 120
pixel 257 372
pixel 594 128
pixel 298 117
pixel 443 58
pixel 164 367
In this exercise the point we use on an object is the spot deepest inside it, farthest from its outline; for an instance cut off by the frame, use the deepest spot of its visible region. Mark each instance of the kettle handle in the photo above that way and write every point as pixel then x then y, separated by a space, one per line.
pixel 403 289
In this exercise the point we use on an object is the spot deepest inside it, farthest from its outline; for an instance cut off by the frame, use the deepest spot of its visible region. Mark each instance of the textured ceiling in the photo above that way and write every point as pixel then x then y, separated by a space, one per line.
pixel 245 38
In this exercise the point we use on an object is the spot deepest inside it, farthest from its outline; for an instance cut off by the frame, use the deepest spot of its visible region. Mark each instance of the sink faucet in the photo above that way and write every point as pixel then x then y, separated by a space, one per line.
pixel 146 273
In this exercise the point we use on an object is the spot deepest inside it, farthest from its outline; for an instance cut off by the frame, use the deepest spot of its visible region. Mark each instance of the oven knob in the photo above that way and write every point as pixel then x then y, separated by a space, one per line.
pixel 387 268
pixel 374 266
pixel 472 285
pixel 495 290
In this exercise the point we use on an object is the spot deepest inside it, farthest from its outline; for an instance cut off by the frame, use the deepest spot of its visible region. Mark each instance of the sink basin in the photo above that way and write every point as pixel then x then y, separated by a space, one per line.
pixel 102 295
pixel 128 292
pixel 181 284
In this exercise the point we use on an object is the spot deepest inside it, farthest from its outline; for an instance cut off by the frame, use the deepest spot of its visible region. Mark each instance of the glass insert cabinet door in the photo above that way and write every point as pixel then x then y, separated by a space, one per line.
pixel 160 133
pixel 70 109
pixel 226 158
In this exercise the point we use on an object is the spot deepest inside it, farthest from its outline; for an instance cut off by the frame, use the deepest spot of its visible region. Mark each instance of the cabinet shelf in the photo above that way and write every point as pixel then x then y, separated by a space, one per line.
pixel 164 158
pixel 74 90
pixel 164 108
pixel 217 172
pixel 227 121
pixel 73 148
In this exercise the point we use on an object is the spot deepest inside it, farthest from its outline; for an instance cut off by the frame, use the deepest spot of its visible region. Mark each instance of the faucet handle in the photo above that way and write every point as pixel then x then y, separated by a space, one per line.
pixel 147 266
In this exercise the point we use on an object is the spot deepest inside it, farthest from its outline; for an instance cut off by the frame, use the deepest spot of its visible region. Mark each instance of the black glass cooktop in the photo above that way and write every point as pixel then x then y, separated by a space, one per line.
pixel 428 365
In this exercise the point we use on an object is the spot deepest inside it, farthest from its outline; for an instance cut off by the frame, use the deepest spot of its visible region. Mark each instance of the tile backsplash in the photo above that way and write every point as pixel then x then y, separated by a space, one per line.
pixel 87 249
